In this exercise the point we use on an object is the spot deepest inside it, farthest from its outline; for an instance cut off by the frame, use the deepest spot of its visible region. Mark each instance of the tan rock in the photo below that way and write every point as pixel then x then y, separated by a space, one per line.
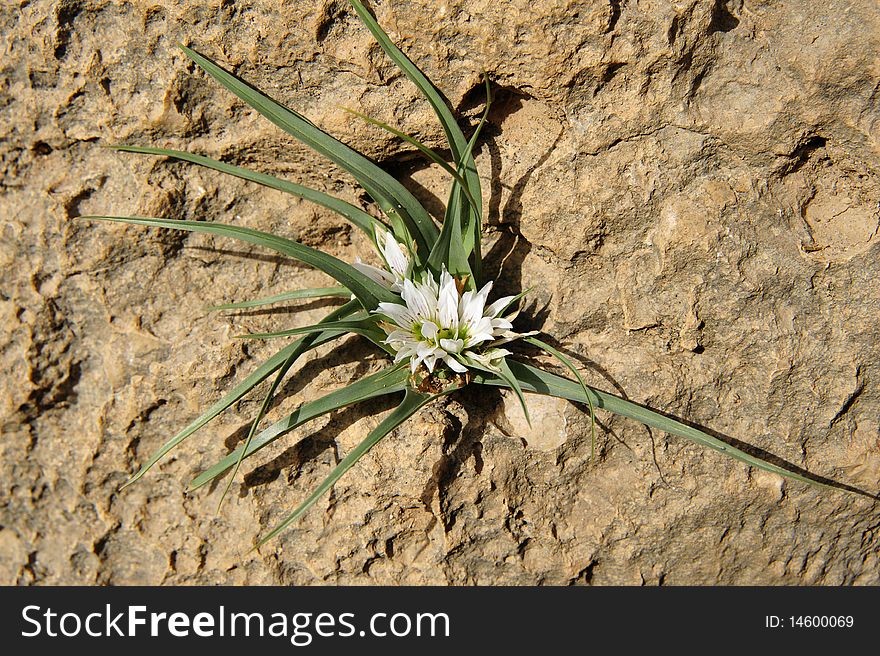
pixel 691 187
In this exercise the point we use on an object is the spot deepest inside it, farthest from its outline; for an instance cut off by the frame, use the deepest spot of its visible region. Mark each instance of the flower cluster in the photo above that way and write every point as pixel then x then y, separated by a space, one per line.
pixel 436 322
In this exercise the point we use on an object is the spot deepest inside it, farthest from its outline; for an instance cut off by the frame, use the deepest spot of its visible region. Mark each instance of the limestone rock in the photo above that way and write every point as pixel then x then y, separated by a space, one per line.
pixel 691 187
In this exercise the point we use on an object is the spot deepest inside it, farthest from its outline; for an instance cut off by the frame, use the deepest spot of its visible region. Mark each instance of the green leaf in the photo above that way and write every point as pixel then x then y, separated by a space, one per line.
pixel 394 199
pixel 304 345
pixel 387 381
pixel 368 292
pixel 258 376
pixel 316 292
pixel 366 326
pixel 428 152
pixel 454 135
pixel 472 226
pixel 542 382
pixel 412 401
pixel 568 363
pixel 449 251
pixel 458 246
pixel 354 214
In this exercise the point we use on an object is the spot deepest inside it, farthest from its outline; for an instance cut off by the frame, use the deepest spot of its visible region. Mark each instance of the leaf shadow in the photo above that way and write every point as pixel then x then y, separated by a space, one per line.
pixel 297 306
pixel 772 458
pixel 353 350
pixel 750 449
pixel 277 260
pixel 311 446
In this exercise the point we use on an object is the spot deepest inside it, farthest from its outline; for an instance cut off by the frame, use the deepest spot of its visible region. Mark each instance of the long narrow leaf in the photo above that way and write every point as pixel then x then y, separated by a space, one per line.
pixel 510 378
pixel 458 246
pixel 473 230
pixel 387 381
pixel 304 345
pixel 535 380
pixel 354 214
pixel 298 294
pixel 469 217
pixel 258 376
pixel 368 292
pixel 449 249
pixel 425 150
pixel 394 199
pixel 412 401
pixel 454 135
pixel 366 327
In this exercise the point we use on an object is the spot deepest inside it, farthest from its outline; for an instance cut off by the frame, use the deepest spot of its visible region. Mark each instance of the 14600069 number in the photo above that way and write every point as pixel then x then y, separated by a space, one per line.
pixel 821 621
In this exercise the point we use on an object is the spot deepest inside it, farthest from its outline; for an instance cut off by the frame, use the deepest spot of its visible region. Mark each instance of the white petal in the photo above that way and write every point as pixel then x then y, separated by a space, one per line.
pixel 418 299
pixel 484 292
pixel 429 330
pixel 481 332
pixel 498 306
pixel 399 314
pixel 400 337
pixel 424 349
pixel 473 309
pixel 488 358
pixel 479 338
pixel 374 273
pixel 430 360
pixel 465 309
pixel 447 302
pixel 499 325
pixel 454 364
pixel 452 345
pixel 397 260
pixel 511 336
pixel 479 359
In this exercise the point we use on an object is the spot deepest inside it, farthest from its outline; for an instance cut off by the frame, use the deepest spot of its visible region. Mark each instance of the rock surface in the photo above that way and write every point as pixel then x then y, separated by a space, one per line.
pixel 691 187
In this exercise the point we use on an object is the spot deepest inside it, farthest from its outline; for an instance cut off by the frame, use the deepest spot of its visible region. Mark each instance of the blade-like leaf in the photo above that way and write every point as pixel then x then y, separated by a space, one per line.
pixel 304 345
pixel 412 401
pixel 473 230
pixel 535 380
pixel 298 294
pixel 354 214
pixel 425 150
pixel 262 373
pixel 458 246
pixel 366 326
pixel 464 231
pixel 369 292
pixel 449 251
pixel 454 135
pixel 394 199
pixel 388 381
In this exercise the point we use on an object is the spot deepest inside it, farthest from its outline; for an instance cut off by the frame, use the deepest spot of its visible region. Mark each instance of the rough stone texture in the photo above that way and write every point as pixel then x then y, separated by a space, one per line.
pixel 691 187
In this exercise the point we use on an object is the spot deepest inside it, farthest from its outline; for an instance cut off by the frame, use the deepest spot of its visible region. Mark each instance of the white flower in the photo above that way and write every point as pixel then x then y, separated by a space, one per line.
pixel 397 261
pixel 436 323
pixel 489 358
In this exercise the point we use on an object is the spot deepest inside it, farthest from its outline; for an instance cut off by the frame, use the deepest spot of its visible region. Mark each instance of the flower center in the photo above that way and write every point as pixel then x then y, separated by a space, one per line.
pixel 447 333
